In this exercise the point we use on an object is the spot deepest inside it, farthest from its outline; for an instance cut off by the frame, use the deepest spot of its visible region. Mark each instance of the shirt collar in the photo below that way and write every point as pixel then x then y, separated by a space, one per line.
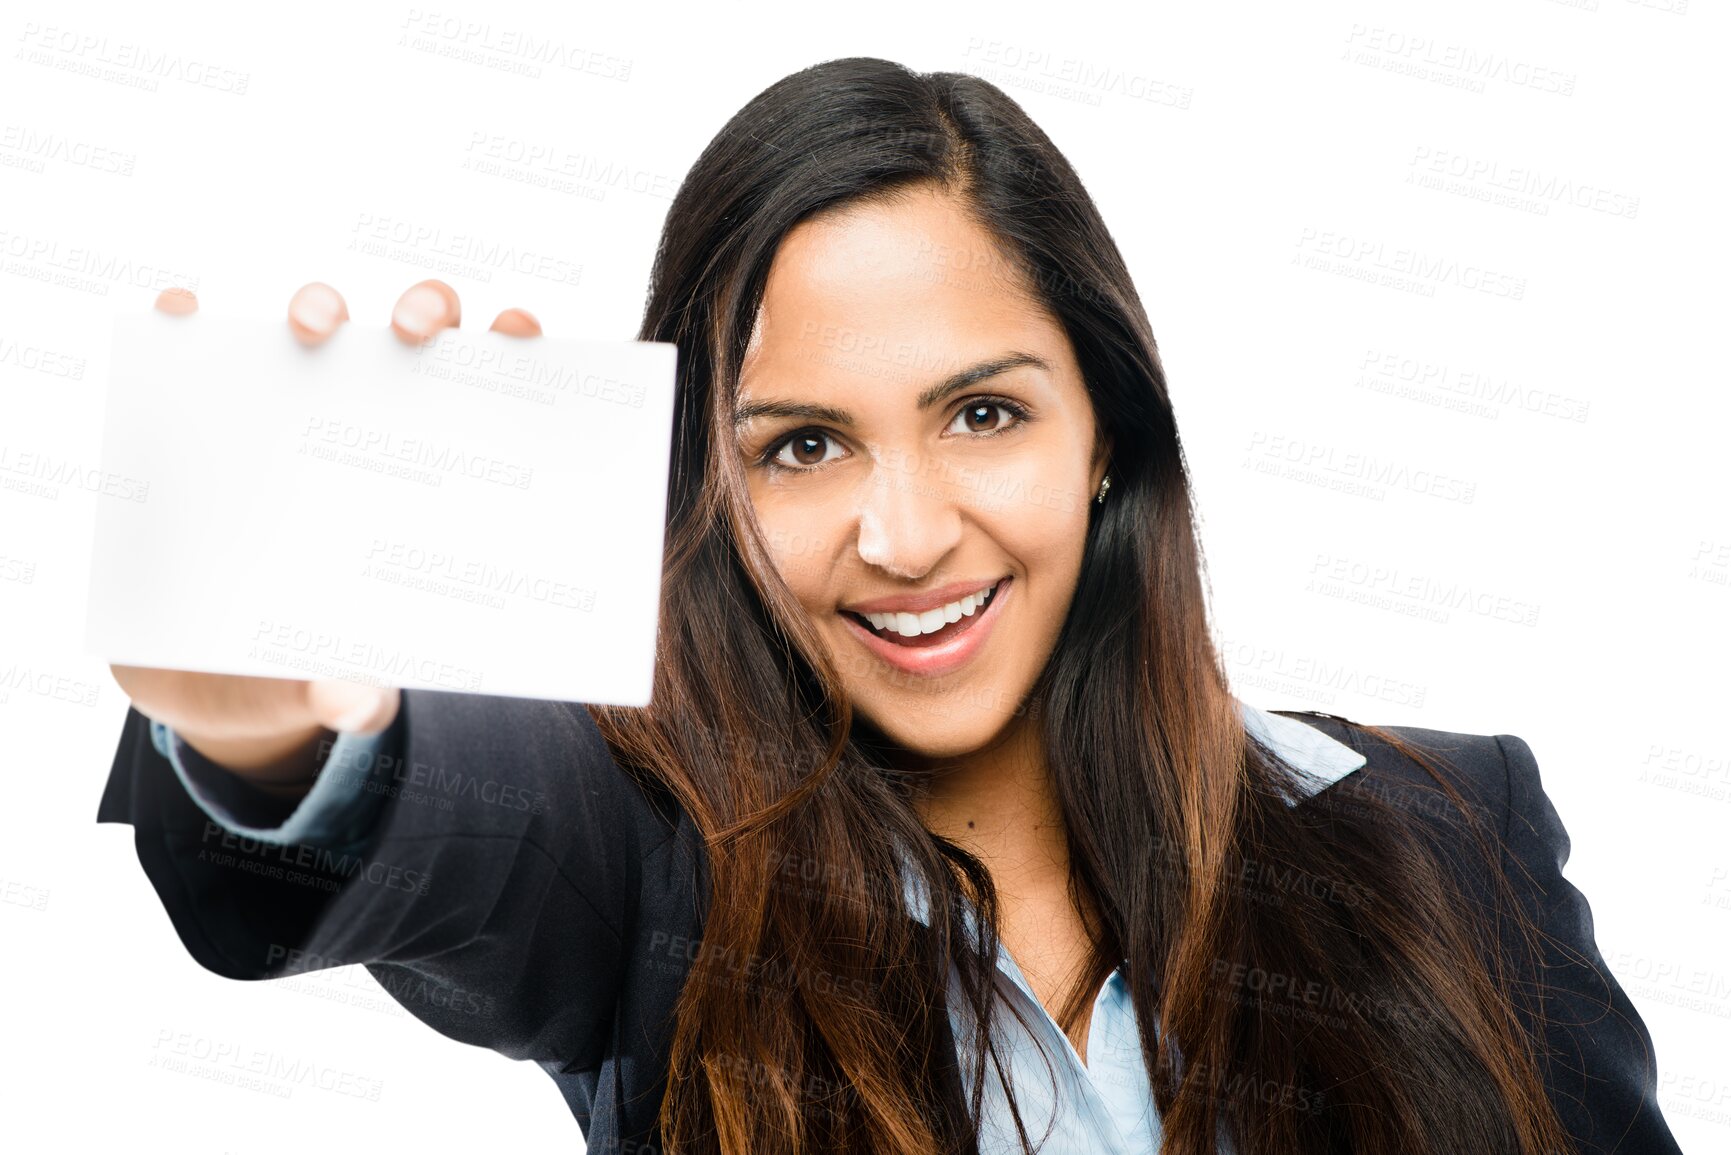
pixel 1323 760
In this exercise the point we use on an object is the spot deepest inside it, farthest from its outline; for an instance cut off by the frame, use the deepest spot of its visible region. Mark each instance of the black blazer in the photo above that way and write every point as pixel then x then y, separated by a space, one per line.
pixel 521 892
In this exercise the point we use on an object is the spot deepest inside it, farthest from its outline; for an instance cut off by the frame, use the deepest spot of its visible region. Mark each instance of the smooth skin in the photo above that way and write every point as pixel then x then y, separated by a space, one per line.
pixel 271 730
pixel 863 310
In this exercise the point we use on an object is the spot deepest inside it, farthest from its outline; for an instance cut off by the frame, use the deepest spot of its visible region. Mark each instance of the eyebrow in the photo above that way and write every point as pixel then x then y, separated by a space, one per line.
pixel 972 375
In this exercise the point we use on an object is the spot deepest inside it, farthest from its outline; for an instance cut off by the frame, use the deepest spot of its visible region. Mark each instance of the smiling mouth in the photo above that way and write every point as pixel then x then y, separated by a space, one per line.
pixel 963 615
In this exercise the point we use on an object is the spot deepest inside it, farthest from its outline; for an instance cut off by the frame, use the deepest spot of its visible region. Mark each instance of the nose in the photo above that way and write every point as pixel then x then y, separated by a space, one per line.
pixel 907 523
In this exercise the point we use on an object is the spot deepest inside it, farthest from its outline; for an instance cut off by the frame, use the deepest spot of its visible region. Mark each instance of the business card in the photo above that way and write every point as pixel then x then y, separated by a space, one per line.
pixel 479 513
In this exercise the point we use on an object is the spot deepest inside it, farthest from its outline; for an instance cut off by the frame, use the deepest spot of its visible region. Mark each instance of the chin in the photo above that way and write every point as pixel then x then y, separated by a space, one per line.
pixel 931 730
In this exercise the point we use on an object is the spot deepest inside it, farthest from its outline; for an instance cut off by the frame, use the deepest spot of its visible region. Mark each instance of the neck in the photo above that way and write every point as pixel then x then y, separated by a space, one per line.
pixel 1000 804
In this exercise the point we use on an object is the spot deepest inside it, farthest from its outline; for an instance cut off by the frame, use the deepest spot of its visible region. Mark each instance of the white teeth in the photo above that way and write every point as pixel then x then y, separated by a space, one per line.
pixel 913 625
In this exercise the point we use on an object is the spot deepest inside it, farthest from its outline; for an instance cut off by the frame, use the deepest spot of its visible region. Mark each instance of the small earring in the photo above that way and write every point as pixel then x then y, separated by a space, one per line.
pixel 1105 484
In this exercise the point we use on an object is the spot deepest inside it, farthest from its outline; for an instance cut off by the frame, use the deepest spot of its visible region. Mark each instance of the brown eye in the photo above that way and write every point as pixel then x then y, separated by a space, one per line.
pixel 980 417
pixel 807 448
pixel 801 451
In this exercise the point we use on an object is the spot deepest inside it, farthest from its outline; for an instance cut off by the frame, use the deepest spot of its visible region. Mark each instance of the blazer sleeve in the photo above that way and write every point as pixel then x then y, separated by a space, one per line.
pixel 489 897
pixel 337 812
pixel 1600 1067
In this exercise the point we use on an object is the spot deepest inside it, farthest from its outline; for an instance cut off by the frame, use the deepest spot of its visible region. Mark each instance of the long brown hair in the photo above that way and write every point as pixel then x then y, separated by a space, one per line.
pixel 810 1019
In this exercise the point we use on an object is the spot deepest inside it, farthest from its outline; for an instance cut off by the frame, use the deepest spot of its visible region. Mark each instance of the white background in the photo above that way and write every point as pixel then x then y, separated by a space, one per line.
pixel 1573 151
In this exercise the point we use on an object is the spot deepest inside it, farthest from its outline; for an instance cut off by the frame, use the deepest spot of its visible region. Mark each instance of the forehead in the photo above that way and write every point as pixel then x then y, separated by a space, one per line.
pixel 899 291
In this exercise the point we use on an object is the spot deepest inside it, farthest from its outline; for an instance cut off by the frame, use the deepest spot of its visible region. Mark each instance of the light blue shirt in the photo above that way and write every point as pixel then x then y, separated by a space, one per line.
pixel 1106 1106
pixel 336 813
pixel 1102 1108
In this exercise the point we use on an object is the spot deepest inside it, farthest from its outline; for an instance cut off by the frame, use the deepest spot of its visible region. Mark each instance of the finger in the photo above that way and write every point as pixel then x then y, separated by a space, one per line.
pixel 315 311
pixel 351 707
pixel 220 706
pixel 517 323
pixel 424 309
pixel 177 301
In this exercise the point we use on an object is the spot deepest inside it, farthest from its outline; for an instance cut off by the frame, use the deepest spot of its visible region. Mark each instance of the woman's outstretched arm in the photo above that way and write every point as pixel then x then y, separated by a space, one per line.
pixel 492 894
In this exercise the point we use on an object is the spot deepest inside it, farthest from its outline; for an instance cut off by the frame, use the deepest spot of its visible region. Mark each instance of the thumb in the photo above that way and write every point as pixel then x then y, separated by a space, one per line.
pixel 353 707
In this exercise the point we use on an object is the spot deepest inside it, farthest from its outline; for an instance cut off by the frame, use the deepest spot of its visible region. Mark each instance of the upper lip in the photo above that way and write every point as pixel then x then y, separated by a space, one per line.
pixel 921 602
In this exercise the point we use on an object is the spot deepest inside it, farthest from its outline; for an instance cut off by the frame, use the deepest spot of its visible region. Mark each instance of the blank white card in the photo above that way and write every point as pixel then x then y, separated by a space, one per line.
pixel 480 513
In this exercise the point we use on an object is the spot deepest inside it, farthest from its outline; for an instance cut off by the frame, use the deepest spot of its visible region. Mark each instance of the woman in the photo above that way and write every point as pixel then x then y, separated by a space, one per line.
pixel 943 830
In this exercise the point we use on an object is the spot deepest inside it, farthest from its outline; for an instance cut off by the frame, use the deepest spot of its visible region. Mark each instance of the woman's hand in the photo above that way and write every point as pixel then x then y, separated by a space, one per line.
pixel 270 730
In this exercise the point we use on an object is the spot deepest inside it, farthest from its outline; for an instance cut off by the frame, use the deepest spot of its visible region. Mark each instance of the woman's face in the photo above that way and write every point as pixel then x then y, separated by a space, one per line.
pixel 915 430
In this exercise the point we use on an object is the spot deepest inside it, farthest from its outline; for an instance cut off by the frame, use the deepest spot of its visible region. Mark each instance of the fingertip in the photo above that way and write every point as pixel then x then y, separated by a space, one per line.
pixel 517 323
pixel 424 309
pixel 177 301
pixel 315 311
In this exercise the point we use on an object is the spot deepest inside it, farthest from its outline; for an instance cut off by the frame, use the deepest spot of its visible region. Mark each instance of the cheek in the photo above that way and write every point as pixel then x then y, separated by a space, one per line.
pixel 1042 527
pixel 791 522
pixel 803 551
pixel 1035 495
